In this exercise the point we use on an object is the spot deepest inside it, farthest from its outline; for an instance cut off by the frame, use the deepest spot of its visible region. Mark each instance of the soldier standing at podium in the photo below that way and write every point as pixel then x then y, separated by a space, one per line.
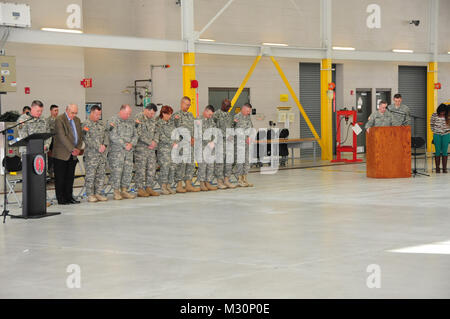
pixel 380 117
pixel 400 112
pixel 36 125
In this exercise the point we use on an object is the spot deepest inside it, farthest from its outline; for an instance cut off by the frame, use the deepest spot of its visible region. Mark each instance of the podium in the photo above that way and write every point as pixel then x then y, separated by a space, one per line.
pixel 389 152
pixel 34 193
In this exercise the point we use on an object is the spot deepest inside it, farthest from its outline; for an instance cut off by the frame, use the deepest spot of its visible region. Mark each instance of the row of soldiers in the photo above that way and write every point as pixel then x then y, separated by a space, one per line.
pixel 149 140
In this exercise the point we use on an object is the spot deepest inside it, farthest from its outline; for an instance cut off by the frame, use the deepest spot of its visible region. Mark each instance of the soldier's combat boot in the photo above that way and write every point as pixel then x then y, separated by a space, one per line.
pixel 228 183
pixel 203 187
pixel 247 182
pixel 437 160
pixel 444 164
pixel 170 189
pixel 92 199
pixel 101 198
pixel 127 195
pixel 190 187
pixel 210 187
pixel 164 189
pixel 117 195
pixel 241 181
pixel 180 188
pixel 221 185
pixel 142 193
pixel 151 192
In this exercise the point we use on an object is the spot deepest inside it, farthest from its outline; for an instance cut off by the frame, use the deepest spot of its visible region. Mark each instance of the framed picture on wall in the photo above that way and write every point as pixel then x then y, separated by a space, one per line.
pixel 88 108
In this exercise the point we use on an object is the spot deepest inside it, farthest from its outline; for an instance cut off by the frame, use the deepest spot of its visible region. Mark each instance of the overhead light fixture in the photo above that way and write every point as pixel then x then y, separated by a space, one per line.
pixel 207 40
pixel 402 51
pixel 62 30
pixel 448 52
pixel 344 48
pixel 275 44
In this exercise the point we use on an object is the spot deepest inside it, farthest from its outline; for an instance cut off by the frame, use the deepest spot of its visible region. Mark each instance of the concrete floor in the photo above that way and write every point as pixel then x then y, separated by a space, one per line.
pixel 301 233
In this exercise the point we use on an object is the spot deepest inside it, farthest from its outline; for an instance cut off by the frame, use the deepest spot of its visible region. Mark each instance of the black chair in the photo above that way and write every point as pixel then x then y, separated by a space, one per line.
pixel 283 148
pixel 418 146
pixel 12 165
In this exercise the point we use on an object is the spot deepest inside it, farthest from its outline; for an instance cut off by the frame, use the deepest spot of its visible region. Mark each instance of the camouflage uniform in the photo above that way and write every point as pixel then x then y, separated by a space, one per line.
pixel 242 122
pixel 51 122
pixel 185 171
pixel 400 119
pixel 223 121
pixel 205 169
pixel 120 160
pixel 94 135
pixel 37 125
pixel 379 119
pixel 145 157
pixel 167 166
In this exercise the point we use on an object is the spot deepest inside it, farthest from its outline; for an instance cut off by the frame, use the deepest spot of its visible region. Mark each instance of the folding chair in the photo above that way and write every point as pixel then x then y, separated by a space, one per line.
pixel 12 166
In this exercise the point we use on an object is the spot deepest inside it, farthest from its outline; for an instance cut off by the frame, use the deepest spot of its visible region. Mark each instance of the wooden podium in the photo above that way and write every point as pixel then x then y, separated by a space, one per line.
pixel 389 152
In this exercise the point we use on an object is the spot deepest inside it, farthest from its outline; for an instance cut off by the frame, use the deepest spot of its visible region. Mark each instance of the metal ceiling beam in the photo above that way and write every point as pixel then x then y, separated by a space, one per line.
pixel 95 41
pixel 180 46
pixel 218 14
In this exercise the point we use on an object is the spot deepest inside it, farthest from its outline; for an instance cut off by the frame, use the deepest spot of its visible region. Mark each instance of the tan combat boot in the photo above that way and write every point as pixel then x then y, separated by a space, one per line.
pixel 210 187
pixel 127 195
pixel 151 192
pixel 101 198
pixel 92 199
pixel 228 183
pixel 203 187
pixel 117 195
pixel 190 187
pixel 142 193
pixel 241 181
pixel 170 189
pixel 164 189
pixel 247 182
pixel 180 188
pixel 220 184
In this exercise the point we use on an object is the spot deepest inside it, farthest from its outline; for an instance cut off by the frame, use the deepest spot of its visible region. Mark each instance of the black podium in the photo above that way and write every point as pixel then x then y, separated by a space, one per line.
pixel 34 193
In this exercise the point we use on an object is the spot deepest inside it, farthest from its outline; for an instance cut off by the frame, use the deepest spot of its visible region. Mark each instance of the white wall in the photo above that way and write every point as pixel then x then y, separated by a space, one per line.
pixel 52 73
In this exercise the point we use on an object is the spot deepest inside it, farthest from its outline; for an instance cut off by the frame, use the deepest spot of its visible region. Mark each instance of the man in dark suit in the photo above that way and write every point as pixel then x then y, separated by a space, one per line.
pixel 66 147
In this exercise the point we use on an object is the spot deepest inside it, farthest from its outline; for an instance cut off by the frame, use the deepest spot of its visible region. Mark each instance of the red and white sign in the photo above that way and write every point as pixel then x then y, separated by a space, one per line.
pixel 87 83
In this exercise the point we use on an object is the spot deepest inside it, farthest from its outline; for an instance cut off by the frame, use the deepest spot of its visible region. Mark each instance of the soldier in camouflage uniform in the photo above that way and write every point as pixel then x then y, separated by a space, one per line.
pixel 145 151
pixel 123 137
pixel 95 140
pixel 36 125
pixel 224 120
pixel 185 171
pixel 400 112
pixel 167 168
pixel 380 117
pixel 244 122
pixel 51 120
pixel 206 169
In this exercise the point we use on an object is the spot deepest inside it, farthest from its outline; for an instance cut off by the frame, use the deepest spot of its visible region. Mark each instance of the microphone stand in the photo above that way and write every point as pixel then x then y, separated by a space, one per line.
pixel 5 197
pixel 414 171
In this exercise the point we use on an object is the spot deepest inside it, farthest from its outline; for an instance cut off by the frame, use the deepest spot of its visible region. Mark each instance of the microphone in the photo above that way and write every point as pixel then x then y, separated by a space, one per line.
pixel 136 125
pixel 27 112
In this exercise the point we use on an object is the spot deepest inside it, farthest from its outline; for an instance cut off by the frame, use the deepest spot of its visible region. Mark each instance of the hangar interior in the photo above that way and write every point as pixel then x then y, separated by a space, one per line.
pixel 312 229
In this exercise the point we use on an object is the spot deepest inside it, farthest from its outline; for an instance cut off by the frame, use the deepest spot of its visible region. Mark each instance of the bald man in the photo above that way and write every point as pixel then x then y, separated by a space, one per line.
pixel 67 145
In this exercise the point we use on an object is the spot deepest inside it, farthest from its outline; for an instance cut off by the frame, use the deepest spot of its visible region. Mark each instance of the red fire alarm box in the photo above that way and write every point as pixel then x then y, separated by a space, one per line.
pixel 27 90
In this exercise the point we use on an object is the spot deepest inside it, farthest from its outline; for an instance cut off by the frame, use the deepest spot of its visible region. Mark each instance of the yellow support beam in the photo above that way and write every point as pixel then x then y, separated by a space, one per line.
pixel 244 82
pixel 188 76
pixel 326 125
pixel 432 78
pixel 300 107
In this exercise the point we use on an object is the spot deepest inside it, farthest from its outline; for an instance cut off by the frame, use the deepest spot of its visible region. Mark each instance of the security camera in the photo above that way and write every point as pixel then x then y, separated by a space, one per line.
pixel 415 22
